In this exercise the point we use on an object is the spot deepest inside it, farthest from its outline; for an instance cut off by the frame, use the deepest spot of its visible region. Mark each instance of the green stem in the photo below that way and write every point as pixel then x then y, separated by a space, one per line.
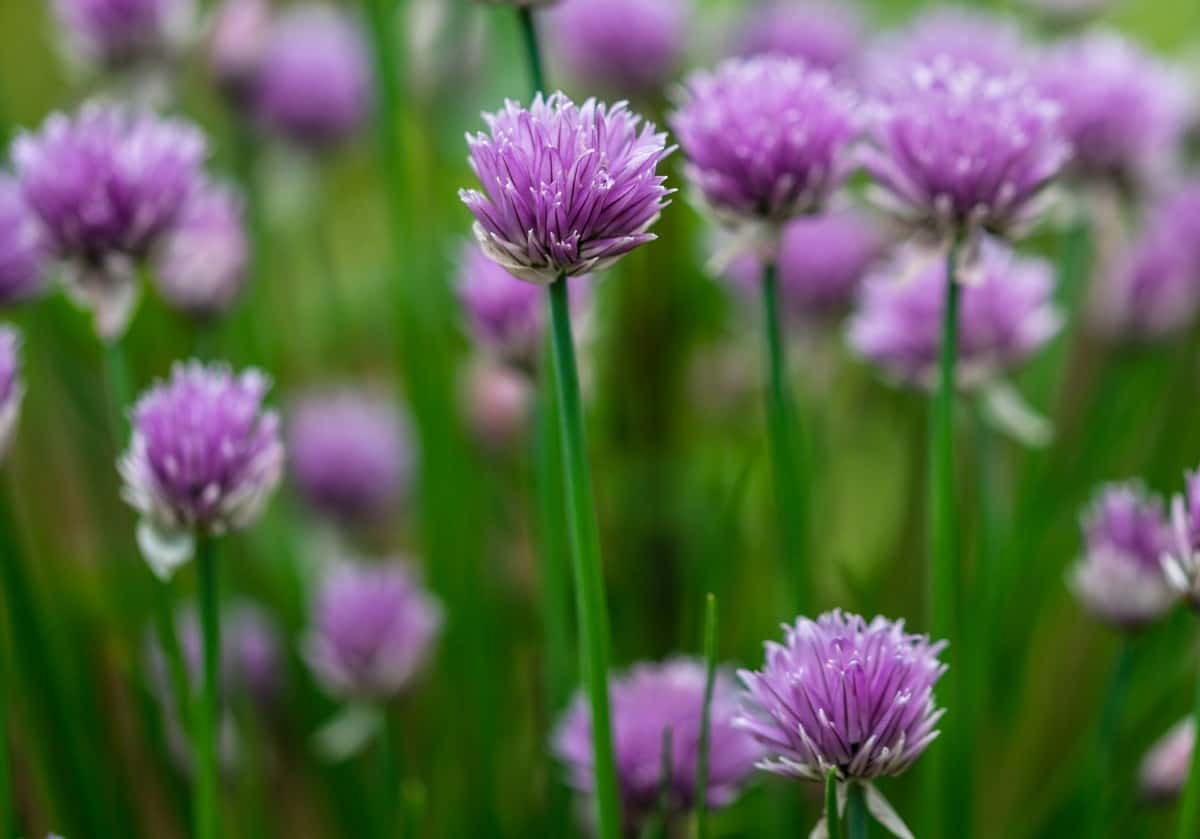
pixel 1189 811
pixel 207 771
pixel 833 819
pixel 710 673
pixel 168 642
pixel 533 53
pixel 585 549
pixel 8 823
pixel 945 577
pixel 391 797
pixel 857 820
pixel 789 499
pixel 1100 783
pixel 120 390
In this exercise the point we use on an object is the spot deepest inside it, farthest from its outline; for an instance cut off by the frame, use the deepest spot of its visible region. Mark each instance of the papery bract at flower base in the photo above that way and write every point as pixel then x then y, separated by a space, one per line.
pixel 205 456
pixel 1120 577
pixel 106 185
pixel 648 701
pixel 955 150
pixel 1164 769
pixel 846 695
pixel 766 138
pixel 1007 313
pixel 567 189
pixel 200 267
pixel 373 629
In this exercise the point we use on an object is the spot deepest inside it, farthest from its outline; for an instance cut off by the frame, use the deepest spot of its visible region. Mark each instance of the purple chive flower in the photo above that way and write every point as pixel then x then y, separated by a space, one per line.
pixel 1123 112
pixel 821 33
pixel 844 694
pixel 957 150
pixel 822 261
pixel 1007 313
pixel 647 701
pixel 567 189
pixel 119 33
pixel 498 401
pixel 946 35
pixel 12 391
pixel 22 246
pixel 626 47
pixel 350 455
pixel 107 184
pixel 205 456
pixel 1165 768
pixel 314 86
pixel 373 629
pixel 241 30
pixel 1120 577
pixel 766 138
pixel 200 267
pixel 1182 562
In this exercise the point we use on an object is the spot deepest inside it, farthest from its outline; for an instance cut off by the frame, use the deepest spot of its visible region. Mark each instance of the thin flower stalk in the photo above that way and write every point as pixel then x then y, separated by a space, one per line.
pixel 858 825
pixel 833 817
pixel 207 813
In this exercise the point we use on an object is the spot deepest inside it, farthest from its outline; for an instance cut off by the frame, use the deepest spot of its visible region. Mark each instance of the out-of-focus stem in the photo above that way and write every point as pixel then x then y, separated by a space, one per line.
pixel 8 825
pixel 207 773
pixel 168 642
pixel 1099 784
pixel 833 819
pixel 789 500
pixel 1189 810
pixel 710 674
pixel 116 371
pixel 533 53
pixel 858 824
pixel 591 603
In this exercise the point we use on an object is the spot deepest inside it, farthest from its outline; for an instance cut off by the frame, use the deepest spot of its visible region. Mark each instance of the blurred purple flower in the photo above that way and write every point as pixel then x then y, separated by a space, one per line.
pixel 499 400
pixel 1007 313
pixel 843 694
pixel 314 83
pixel 504 315
pixel 956 150
pixel 241 31
pixel 1182 562
pixel 822 261
pixel 23 252
pixel 373 629
pixel 624 47
pixel 1120 577
pixel 118 33
pixel 568 189
pixel 200 267
pixel 948 34
pixel 766 138
pixel 1165 767
pixel 205 456
pixel 648 701
pixel 823 34
pixel 349 454
pixel 107 184
pixel 1123 112
pixel 12 390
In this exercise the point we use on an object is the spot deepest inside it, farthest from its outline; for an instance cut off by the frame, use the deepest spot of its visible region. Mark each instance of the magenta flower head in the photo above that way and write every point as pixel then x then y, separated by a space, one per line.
pixel 822 261
pixel 373 629
pixel 1120 577
pixel 947 34
pixel 648 702
pixel 1182 562
pixel 567 189
pixel 766 139
pixel 115 34
pixel 204 458
pixel 820 33
pixel 349 454
pixel 1007 313
pixel 23 252
pixel 845 695
pixel 107 184
pixel 200 267
pixel 1123 112
pixel 624 47
pixel 237 44
pixel 12 391
pixel 314 85
pixel 1165 768
pixel 955 150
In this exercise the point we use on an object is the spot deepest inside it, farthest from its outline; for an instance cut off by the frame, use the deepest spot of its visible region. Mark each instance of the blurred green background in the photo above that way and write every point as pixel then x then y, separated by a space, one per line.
pixel 683 487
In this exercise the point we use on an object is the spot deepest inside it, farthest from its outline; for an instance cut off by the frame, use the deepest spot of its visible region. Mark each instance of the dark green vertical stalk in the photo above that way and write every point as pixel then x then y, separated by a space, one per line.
pixel 710 674
pixel 833 819
pixel 8 823
pixel 945 570
pixel 1189 811
pixel 390 802
pixel 789 500
pixel 207 720
pixel 116 371
pixel 168 642
pixel 1099 784
pixel 533 53
pixel 858 825
pixel 585 549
